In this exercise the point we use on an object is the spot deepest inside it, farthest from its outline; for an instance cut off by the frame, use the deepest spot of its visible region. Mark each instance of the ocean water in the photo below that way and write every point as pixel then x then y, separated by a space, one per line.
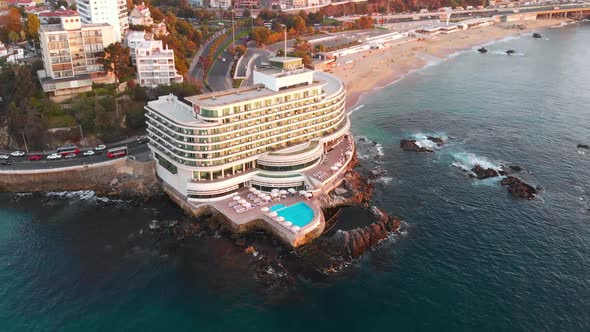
pixel 473 257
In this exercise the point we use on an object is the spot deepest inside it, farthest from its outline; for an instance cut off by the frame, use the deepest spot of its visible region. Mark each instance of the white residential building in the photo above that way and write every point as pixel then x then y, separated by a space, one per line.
pixel 267 136
pixel 133 39
pixel 113 12
pixel 155 64
pixel 140 15
pixel 220 4
pixel 71 54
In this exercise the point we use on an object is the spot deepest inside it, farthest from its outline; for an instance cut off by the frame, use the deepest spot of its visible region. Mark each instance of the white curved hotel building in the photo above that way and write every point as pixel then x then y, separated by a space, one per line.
pixel 264 136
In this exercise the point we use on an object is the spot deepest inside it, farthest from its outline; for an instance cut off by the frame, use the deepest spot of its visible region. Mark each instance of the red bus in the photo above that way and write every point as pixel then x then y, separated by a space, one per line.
pixel 67 149
pixel 117 152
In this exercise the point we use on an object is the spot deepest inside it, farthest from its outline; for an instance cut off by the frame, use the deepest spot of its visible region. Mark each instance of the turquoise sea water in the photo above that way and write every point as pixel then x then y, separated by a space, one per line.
pixel 473 258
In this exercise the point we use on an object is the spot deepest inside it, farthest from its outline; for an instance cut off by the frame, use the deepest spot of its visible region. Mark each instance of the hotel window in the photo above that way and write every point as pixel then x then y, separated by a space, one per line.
pixel 236 110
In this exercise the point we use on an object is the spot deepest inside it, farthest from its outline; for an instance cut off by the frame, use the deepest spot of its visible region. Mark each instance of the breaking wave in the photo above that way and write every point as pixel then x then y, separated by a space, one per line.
pixel 467 160
pixel 423 141
pixel 82 195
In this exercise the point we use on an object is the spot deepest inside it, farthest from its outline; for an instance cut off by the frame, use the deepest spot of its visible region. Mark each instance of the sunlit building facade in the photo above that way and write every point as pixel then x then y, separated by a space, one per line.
pixel 261 136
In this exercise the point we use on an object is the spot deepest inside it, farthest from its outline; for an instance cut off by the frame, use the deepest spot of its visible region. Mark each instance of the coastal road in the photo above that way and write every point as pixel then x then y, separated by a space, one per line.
pixel 139 151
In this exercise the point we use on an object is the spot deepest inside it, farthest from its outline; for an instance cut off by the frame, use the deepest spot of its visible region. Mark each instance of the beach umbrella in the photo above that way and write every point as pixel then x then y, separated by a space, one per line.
pixel 261 194
pixel 334 168
pixel 264 209
pixel 273 214
pixel 236 198
pixel 279 218
pixel 287 223
pixel 302 192
pixel 275 191
pixel 338 164
pixel 295 228
pixel 309 195
pixel 242 201
pixel 273 194
pixel 291 190
pixel 248 205
pixel 283 192
pixel 266 198
pixel 252 189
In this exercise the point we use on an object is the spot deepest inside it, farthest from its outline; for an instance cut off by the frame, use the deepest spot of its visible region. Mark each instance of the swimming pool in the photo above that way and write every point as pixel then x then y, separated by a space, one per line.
pixel 300 214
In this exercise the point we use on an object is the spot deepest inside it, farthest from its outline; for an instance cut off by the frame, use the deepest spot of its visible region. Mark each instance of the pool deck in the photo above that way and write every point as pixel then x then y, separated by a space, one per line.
pixel 323 179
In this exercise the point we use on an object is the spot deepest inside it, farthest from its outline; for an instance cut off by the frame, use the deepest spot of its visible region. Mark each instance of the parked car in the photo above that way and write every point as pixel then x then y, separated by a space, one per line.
pixel 223 59
pixel 4 156
pixel 88 153
pixel 35 157
pixel 6 163
pixel 54 156
pixel 142 140
pixel 17 153
pixel 70 156
pixel 100 147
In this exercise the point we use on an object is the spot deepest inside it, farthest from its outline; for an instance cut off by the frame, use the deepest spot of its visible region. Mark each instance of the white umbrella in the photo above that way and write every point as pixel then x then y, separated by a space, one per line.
pixel 279 218
pixel 283 192
pixel 266 198
pixel 302 192
pixel 295 228
pixel 275 191
pixel 338 164
pixel 287 223
pixel 236 198
pixel 291 190
pixel 273 214
pixel 252 189
pixel 242 201
pixel 334 168
pixel 274 194
pixel 264 209
pixel 261 194
pixel 309 195
pixel 248 205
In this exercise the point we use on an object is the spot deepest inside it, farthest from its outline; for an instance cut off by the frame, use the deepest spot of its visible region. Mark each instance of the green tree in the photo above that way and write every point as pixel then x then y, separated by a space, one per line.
pixel 117 60
pixel 13 37
pixel 32 26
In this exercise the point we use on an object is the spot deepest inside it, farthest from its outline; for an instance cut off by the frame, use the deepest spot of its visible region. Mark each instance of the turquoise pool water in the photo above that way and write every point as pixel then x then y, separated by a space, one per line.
pixel 300 214
pixel 277 207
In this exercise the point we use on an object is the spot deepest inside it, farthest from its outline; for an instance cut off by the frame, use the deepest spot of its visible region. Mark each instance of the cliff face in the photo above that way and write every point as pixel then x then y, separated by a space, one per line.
pixel 124 178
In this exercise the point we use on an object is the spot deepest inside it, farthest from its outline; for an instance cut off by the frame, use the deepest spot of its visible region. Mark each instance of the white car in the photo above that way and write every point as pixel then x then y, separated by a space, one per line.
pixel 17 154
pixel 54 156
pixel 223 59
pixel 88 153
pixel 4 156
pixel 100 147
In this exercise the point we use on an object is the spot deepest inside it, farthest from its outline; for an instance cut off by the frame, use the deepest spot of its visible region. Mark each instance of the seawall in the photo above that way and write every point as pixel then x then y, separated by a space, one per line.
pixel 121 177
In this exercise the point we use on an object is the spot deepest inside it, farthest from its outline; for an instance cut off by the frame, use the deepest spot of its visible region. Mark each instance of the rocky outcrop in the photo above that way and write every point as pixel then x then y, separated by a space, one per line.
pixel 411 145
pixel 509 52
pixel 482 50
pixel 519 188
pixel 482 173
pixel 354 190
pixel 352 243
pixel 583 146
pixel 537 35
pixel 439 141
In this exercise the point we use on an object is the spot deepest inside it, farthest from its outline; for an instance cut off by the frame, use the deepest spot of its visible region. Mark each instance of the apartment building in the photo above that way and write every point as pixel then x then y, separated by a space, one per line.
pixel 71 54
pixel 155 64
pixel 113 12
pixel 264 136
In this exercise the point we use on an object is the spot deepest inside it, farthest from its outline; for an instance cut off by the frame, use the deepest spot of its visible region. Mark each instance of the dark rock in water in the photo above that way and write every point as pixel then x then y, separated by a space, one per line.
pixel 583 146
pixel 519 188
pixel 510 52
pixel 482 50
pixel 515 168
pixel 410 145
pixel 537 35
pixel 484 173
pixel 354 242
pixel 439 141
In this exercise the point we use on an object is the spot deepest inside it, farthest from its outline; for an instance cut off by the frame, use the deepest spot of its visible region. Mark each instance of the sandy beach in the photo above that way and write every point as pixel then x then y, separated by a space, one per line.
pixel 377 68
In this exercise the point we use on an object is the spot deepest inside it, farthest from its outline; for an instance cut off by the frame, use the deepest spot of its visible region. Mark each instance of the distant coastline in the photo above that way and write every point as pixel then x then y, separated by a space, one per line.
pixel 376 69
